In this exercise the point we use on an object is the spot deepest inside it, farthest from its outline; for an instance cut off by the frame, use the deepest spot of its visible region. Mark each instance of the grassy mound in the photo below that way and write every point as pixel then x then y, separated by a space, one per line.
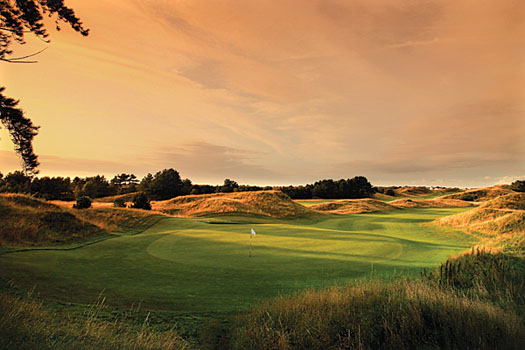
pixel 512 201
pixel 403 314
pixel 434 203
pixel 267 203
pixel 353 206
pixel 501 222
pixel 368 205
pixel 29 221
pixel 119 219
pixel 127 197
pixel 481 194
pixel 413 191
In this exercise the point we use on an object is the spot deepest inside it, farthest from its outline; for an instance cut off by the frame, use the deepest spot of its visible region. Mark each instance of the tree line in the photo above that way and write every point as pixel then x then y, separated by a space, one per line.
pixel 356 187
pixel 163 185
pixel 166 184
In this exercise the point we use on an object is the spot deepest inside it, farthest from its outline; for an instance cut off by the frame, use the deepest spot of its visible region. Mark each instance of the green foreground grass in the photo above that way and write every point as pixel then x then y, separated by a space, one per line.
pixel 185 272
pixel 203 265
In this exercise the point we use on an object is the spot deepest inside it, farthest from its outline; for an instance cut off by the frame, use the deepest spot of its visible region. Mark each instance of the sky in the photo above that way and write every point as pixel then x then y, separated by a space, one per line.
pixel 280 92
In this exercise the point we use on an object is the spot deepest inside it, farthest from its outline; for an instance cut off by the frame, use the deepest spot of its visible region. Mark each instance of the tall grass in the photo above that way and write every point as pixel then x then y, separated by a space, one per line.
pixel 28 221
pixel 473 302
pixel 495 277
pixel 25 323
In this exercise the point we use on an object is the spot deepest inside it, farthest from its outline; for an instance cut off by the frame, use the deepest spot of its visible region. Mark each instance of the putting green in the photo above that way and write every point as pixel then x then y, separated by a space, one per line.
pixel 204 265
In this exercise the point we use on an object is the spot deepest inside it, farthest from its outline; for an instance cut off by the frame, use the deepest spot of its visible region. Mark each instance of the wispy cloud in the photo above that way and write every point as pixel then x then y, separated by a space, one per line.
pixel 283 92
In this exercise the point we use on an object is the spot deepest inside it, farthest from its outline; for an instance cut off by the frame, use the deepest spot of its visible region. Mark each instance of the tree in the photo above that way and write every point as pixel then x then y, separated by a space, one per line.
pixel 145 183
pixel 119 203
pixel 187 186
pixel 141 201
pixel 124 183
pixel 52 188
pixel 518 186
pixel 17 182
pixel 390 192
pixel 82 203
pixel 96 187
pixel 229 186
pixel 164 185
pixel 18 17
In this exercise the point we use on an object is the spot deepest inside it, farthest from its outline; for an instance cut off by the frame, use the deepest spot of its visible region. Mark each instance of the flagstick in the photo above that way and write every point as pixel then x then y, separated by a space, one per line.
pixel 250 255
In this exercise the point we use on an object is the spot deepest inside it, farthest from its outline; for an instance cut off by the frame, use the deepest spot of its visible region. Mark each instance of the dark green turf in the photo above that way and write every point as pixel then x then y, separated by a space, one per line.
pixel 199 265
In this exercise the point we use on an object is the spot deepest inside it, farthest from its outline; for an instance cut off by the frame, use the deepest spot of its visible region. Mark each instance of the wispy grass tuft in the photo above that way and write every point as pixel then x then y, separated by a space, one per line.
pixel 25 323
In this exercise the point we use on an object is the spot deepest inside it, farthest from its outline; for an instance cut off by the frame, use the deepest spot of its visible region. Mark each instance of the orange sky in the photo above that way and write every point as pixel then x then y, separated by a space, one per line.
pixel 281 92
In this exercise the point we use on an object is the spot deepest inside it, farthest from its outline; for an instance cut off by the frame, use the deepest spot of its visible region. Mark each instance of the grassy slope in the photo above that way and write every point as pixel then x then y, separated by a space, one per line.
pixel 28 221
pixel 499 222
pixel 198 265
pixel 266 203
pixel 353 206
pixel 482 194
pixel 369 205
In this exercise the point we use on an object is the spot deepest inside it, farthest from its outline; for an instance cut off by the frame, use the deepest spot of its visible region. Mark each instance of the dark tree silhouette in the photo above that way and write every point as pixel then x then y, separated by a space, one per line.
pixel 229 186
pixel 18 17
pixel 141 201
pixel 518 186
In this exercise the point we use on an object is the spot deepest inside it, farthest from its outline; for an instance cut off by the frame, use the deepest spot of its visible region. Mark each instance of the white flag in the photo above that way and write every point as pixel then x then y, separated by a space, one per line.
pixel 253 232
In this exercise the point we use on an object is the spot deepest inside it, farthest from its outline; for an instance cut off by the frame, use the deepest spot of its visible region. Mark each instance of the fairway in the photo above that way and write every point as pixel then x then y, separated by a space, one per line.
pixel 203 264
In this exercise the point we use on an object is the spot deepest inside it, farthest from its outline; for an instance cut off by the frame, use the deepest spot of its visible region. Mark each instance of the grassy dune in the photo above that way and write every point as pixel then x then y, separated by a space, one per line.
pixel 28 221
pixel 369 205
pixel 430 203
pixel 482 194
pixel 415 192
pixel 266 203
pixel 353 206
pixel 499 223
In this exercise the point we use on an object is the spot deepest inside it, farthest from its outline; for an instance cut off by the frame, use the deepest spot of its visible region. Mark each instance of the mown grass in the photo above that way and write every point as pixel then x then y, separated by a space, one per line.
pixel 200 268
pixel 472 301
pixel 189 265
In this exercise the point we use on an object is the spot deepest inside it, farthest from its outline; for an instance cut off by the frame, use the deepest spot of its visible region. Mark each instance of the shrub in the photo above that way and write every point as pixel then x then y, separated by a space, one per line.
pixel 141 201
pixel 119 203
pixel 467 197
pixel 82 203
pixel 518 186
pixel 390 192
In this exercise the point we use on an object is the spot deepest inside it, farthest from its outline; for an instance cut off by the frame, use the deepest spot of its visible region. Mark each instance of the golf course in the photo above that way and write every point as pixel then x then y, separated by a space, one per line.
pixel 242 270
pixel 214 264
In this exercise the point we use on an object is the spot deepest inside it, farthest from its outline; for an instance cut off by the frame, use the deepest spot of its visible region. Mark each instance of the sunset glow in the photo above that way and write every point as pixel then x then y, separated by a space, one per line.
pixel 280 92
